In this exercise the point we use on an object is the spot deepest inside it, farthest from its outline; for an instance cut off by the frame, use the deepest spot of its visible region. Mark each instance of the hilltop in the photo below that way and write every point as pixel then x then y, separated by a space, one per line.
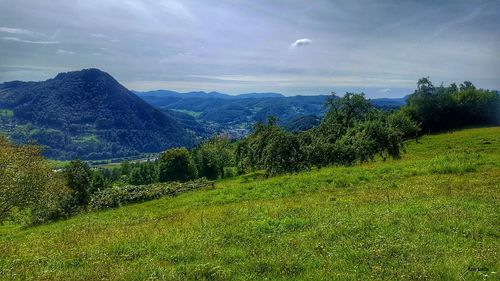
pixel 433 214
pixel 88 114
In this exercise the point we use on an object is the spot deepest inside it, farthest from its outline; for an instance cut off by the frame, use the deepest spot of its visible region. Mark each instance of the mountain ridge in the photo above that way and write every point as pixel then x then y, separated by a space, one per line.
pixel 87 114
pixel 207 95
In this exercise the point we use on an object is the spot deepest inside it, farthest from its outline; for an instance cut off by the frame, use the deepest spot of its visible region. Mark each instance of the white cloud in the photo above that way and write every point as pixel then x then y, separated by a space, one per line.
pixel 178 10
pixel 98 35
pixel 17 31
pixel 65 52
pixel 301 42
pixel 30 41
pixel 384 91
pixel 304 80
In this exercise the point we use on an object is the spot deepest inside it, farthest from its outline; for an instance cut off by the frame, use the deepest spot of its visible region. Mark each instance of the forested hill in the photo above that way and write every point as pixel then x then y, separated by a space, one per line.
pixel 236 114
pixel 86 114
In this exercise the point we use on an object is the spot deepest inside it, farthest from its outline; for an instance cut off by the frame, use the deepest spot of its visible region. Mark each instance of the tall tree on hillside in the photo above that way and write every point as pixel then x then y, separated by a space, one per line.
pixel 343 112
pixel 79 178
pixel 213 156
pixel 442 108
pixel 27 181
pixel 176 165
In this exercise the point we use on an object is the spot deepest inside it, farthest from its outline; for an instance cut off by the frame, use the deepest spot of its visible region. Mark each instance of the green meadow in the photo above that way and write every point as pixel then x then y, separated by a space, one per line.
pixel 434 214
pixel 6 113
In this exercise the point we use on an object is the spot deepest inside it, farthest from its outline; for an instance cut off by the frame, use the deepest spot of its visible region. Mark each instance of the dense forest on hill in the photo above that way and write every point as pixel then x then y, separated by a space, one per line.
pixel 88 114
pixel 235 115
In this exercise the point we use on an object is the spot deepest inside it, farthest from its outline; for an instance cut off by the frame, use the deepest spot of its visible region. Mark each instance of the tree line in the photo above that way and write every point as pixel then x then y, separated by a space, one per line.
pixel 352 131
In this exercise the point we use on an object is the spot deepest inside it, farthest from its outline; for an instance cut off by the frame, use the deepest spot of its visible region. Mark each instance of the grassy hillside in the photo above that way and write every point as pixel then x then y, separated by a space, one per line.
pixel 434 214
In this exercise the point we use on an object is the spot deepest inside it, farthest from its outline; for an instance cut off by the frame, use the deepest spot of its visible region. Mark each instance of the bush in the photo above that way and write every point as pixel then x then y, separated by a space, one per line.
pixel 118 196
pixel 176 165
pixel 442 108
pixel 213 156
pixel 27 183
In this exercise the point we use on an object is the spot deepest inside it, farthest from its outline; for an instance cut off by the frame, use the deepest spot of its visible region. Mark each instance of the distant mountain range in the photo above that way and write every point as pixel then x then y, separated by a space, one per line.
pixel 234 115
pixel 205 95
pixel 87 114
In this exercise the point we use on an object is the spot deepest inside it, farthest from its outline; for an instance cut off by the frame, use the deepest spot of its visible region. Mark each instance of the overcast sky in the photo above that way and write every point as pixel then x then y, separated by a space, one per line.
pixel 292 47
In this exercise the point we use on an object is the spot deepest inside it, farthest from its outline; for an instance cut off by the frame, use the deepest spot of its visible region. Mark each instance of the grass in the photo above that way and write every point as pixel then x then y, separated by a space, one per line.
pixel 85 139
pixel 6 113
pixel 432 215
pixel 58 164
pixel 189 112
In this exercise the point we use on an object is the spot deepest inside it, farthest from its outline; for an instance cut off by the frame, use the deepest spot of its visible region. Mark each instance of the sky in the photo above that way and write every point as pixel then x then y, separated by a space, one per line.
pixel 288 46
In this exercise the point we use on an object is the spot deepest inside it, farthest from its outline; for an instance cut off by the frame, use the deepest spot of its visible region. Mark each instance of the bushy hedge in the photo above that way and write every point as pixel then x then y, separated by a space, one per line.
pixel 121 195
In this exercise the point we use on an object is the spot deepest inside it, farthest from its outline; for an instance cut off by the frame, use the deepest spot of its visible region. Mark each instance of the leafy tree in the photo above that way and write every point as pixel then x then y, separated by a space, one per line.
pixel 271 148
pixel 176 165
pixel 125 168
pixel 79 179
pixel 443 108
pixel 250 152
pixel 342 114
pixel 402 123
pixel 370 138
pixel 213 156
pixel 27 182
pixel 143 173
pixel 283 153
pixel 99 182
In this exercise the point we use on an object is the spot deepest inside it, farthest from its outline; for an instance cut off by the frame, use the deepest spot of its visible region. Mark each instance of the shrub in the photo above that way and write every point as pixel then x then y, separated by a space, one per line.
pixel 121 195
pixel 27 183
pixel 176 164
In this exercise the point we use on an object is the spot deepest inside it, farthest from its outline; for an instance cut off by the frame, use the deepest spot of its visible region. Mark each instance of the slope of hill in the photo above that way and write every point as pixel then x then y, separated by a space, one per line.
pixel 87 114
pixel 432 215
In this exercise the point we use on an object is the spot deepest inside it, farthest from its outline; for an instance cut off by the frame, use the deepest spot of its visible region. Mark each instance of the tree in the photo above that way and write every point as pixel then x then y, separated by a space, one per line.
pixel 213 156
pixel 26 181
pixel 342 114
pixel 79 179
pixel 271 148
pixel 250 152
pixel 143 173
pixel 283 153
pixel 176 165
pixel 442 108
pixel 402 123
pixel 98 182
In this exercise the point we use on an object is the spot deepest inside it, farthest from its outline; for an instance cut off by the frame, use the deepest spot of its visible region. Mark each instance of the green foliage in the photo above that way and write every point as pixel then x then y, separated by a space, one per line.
pixel 345 111
pixel 283 153
pixel 121 195
pixel 212 157
pixel 6 113
pixel 87 114
pixel 442 108
pixel 143 173
pixel 27 182
pixel 176 164
pixel 352 130
pixel 401 122
pixel 99 181
pixel 79 179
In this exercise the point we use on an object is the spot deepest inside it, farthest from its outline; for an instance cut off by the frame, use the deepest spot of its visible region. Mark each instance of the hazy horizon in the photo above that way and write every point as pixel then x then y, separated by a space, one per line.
pixel 290 47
